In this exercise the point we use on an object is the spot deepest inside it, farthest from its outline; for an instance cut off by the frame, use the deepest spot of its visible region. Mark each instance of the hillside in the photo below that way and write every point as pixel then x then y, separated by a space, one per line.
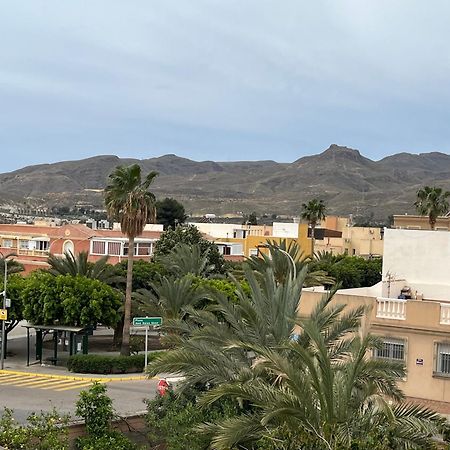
pixel 346 180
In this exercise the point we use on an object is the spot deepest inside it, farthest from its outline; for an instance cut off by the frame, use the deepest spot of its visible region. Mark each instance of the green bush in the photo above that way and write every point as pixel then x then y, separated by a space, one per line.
pixel 112 440
pixel 108 364
pixel 44 431
pixel 96 408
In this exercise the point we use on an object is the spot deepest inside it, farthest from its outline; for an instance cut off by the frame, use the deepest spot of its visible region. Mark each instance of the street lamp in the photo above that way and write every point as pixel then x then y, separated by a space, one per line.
pixel 5 281
pixel 294 267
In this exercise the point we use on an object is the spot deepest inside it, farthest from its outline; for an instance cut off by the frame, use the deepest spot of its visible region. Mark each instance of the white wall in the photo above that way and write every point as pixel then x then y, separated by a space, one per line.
pixel 285 230
pixel 217 230
pixel 421 258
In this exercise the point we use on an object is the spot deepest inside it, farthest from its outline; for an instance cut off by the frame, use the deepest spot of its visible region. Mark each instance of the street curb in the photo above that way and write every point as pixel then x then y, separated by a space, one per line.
pixel 76 378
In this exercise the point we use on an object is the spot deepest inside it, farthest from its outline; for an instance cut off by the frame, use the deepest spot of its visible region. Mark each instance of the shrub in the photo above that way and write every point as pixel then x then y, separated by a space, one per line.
pixel 44 431
pixel 108 364
pixel 96 408
pixel 112 440
pixel 174 420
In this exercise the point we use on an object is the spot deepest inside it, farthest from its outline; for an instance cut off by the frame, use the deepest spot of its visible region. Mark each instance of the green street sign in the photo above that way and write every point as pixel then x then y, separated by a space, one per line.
pixel 146 321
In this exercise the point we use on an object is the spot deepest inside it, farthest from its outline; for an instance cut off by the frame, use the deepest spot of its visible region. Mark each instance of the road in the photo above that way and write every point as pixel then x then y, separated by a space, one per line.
pixel 26 393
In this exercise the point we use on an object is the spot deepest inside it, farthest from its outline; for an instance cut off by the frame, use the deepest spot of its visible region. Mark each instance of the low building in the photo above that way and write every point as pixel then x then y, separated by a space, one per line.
pixel 33 244
pixel 414 222
pixel 410 310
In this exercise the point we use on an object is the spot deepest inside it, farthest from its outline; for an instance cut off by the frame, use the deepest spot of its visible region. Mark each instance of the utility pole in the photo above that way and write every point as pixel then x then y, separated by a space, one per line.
pixel 5 282
pixel 2 364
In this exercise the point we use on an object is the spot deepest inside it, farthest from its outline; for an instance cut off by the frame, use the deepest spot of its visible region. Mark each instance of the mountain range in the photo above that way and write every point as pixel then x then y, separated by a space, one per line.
pixel 346 180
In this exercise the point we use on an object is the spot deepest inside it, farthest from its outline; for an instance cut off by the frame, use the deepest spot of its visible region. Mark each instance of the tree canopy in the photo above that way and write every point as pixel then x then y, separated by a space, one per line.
pixel 189 235
pixel 69 300
pixel 170 213
pixel 432 202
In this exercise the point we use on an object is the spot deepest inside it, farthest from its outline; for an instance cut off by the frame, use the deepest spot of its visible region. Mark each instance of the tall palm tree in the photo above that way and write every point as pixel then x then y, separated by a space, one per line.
pixel 314 211
pixel 129 200
pixel 324 389
pixel 69 264
pixel 432 202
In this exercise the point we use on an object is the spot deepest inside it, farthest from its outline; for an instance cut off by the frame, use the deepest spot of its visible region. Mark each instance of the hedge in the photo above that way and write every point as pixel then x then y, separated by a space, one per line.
pixel 108 364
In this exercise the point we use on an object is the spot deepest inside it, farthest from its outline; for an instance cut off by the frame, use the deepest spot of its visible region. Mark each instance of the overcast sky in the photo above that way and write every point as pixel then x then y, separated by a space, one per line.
pixel 222 80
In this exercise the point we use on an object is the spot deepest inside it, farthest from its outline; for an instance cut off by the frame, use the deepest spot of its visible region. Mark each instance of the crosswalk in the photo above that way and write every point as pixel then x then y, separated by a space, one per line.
pixel 57 383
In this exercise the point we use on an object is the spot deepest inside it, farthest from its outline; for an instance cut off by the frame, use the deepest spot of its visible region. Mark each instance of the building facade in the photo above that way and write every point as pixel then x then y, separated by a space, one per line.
pixel 410 310
pixel 33 244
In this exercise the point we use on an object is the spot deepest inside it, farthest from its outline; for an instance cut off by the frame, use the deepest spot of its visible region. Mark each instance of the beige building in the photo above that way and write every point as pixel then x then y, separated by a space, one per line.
pixel 413 222
pixel 353 241
pixel 410 310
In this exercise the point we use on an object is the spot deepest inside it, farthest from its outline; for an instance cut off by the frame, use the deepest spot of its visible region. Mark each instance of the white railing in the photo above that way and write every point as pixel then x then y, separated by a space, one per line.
pixel 391 308
pixel 445 314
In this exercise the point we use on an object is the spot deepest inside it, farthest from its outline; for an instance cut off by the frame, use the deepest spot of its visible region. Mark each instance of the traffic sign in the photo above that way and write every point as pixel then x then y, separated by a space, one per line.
pixel 146 321
pixel 3 314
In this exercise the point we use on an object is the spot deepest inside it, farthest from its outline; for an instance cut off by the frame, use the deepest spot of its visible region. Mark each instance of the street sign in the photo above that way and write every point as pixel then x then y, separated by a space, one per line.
pixel 3 314
pixel 146 321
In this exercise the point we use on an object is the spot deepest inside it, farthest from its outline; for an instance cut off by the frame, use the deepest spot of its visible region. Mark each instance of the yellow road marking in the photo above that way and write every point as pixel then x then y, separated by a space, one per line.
pixel 60 383
pixel 33 383
pixel 6 380
pixel 73 386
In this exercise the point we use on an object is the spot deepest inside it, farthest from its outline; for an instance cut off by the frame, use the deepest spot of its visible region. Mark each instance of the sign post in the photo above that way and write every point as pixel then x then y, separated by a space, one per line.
pixel 147 322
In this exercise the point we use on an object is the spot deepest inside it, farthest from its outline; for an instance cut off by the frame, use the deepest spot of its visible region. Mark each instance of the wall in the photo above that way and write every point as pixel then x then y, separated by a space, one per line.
pixel 420 257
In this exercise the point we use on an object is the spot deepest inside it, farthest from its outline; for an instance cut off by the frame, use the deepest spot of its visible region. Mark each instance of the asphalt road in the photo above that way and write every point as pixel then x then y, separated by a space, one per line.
pixel 128 396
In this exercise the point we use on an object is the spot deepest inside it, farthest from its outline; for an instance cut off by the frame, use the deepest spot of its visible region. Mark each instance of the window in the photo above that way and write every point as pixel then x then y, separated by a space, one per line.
pixel 144 248
pixel 126 247
pixel 114 248
pixel 391 349
pixel 99 247
pixel 443 358
pixel 42 245
pixel 24 245
pixel 7 243
pixel 253 252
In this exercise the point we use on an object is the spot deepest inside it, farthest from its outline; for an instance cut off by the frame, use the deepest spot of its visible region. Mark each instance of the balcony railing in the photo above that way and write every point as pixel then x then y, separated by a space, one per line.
pixel 391 308
pixel 445 314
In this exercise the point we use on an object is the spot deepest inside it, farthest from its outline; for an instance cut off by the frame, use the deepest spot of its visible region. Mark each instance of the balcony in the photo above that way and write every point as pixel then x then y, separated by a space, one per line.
pixel 391 308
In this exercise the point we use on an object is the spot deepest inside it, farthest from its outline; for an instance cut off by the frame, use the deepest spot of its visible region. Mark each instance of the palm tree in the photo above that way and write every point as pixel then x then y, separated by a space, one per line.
pixel 287 260
pixel 432 202
pixel 128 200
pixel 186 259
pixel 69 264
pixel 314 212
pixel 13 265
pixel 324 389
pixel 213 345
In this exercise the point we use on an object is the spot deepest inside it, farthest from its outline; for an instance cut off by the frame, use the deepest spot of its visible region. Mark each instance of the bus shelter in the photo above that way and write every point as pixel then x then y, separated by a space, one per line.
pixel 71 339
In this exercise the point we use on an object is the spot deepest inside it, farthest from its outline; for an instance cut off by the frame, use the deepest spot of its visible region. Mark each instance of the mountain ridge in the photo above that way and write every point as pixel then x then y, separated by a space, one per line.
pixel 349 182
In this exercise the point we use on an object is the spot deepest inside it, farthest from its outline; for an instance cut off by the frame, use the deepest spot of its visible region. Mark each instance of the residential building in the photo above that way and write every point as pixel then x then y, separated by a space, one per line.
pixel 334 234
pixel 414 222
pixel 33 244
pixel 410 310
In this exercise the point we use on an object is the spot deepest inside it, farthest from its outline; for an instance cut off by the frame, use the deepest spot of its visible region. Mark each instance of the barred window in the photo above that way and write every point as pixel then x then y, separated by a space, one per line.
pixel 443 358
pixel 391 349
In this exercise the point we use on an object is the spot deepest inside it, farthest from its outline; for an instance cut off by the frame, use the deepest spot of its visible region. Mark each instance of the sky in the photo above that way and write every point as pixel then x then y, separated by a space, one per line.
pixel 221 80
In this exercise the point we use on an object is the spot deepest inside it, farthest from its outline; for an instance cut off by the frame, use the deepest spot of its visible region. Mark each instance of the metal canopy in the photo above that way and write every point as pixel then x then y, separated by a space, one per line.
pixel 57 328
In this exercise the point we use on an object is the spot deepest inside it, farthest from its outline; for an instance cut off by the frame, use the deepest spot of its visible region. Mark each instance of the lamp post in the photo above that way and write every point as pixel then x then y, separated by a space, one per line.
pixel 294 267
pixel 5 282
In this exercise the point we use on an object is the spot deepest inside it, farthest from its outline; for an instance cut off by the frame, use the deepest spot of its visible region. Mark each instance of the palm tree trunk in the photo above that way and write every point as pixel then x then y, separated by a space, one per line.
pixel 313 234
pixel 125 348
pixel 432 221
